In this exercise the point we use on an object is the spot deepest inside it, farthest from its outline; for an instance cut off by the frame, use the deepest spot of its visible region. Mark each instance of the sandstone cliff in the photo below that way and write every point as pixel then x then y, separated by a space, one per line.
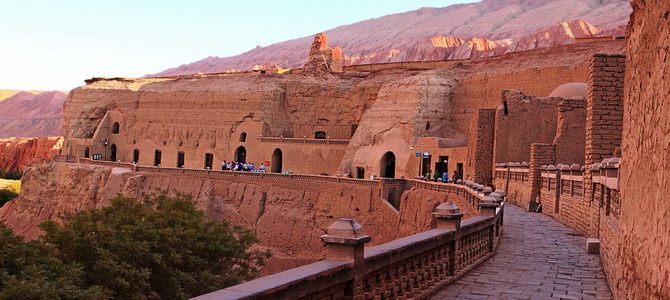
pixel 19 153
pixel 407 36
pixel 27 114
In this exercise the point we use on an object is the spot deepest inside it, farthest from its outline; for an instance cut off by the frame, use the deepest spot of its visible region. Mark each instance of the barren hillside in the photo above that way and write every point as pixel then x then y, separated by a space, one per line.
pixel 485 28
pixel 28 115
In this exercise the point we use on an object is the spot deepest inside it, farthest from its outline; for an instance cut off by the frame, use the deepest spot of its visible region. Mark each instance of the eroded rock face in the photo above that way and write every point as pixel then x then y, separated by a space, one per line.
pixel 322 60
pixel 19 153
pixel 287 216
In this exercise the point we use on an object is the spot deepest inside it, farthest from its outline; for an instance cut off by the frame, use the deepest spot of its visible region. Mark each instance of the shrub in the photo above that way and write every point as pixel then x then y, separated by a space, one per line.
pixel 159 248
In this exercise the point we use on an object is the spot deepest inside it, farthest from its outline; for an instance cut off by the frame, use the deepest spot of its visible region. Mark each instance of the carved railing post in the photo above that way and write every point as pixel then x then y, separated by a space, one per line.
pixel 345 240
pixel 488 205
pixel 449 216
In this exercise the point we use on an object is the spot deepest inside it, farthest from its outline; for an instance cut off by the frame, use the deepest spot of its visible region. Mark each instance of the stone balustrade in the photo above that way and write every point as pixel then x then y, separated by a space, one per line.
pixel 411 267
pixel 266 139
pixel 65 158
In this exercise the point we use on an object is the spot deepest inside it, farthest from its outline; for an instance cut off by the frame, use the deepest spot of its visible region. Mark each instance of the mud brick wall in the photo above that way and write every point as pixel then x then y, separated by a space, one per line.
pixel 522 120
pixel 643 256
pixel 570 131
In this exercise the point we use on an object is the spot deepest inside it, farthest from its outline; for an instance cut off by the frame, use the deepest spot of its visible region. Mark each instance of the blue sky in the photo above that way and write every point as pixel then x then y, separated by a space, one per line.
pixel 55 45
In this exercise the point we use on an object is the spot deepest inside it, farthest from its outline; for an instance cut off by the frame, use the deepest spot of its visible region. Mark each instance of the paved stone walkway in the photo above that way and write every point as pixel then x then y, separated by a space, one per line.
pixel 536 259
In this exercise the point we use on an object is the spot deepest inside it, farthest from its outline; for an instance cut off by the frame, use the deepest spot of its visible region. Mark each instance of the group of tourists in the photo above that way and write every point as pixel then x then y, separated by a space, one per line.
pixel 441 177
pixel 241 166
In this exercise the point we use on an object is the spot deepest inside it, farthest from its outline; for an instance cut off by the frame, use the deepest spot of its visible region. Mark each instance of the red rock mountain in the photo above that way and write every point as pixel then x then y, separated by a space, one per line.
pixel 485 28
pixel 19 153
pixel 28 115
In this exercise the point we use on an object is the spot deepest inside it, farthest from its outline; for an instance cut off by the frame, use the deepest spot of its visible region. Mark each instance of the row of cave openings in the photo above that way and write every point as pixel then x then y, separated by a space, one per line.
pixel 240 156
pixel 387 163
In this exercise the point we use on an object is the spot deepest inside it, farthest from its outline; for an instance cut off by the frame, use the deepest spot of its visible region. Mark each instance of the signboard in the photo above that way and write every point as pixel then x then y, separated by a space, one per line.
pixel 97 157
pixel 418 153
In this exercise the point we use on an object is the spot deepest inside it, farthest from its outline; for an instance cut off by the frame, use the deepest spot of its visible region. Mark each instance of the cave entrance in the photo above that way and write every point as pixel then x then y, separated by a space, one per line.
pixel 387 165
pixel 136 156
pixel 360 172
pixel 157 157
pixel 181 158
pixel 241 154
pixel 277 160
pixel 209 160
pixel 112 152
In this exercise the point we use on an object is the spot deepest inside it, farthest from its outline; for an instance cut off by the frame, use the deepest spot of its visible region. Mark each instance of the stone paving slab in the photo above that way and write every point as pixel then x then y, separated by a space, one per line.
pixel 536 259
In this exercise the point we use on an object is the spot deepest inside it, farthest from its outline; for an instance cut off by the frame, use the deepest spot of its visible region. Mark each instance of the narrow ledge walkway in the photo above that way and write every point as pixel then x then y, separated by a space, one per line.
pixel 537 258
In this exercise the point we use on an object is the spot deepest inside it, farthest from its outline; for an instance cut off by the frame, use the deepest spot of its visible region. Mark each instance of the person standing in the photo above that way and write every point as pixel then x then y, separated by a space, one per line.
pixel 445 177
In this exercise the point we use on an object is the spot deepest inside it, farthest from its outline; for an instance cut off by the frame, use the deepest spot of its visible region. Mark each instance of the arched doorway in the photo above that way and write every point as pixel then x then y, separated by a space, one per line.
pixel 87 152
pixel 112 152
pixel 277 158
pixel 136 156
pixel 387 165
pixel 320 135
pixel 241 154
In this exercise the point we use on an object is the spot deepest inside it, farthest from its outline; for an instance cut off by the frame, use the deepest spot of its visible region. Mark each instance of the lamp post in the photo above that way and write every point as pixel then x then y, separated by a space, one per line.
pixel 105 143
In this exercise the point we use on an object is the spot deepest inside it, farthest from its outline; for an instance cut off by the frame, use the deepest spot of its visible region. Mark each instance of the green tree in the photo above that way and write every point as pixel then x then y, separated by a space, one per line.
pixel 29 270
pixel 159 248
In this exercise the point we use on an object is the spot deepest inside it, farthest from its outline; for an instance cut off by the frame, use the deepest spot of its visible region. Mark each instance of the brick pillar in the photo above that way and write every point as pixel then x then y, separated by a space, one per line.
pixel 344 242
pixel 604 119
pixel 604 107
pixel 480 146
pixel 540 154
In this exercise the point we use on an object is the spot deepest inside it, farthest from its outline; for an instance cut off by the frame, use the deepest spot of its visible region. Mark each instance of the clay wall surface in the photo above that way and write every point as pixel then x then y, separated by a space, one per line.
pixel 274 208
pixel 643 270
pixel 571 131
pixel 520 121
pixel 19 153
pixel 536 72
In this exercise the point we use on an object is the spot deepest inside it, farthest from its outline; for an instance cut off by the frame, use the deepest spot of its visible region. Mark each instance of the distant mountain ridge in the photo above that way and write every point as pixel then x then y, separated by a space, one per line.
pixel 485 28
pixel 32 115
